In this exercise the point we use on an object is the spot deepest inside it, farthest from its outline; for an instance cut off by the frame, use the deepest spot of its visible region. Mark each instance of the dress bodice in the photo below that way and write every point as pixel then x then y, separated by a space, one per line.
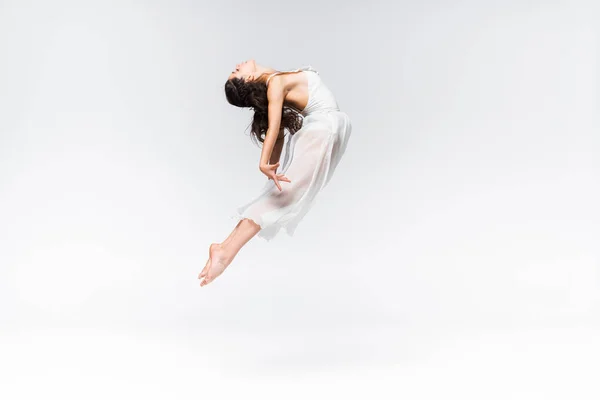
pixel 320 98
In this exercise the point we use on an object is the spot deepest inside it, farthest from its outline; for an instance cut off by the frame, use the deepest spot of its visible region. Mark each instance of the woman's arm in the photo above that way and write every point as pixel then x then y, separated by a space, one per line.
pixel 276 154
pixel 275 97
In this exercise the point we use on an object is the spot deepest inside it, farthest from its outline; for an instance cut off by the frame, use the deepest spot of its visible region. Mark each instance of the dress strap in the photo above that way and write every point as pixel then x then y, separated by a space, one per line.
pixel 305 68
pixel 280 72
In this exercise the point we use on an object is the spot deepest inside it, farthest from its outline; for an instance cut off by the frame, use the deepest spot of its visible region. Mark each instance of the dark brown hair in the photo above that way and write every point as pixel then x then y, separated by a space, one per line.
pixel 253 94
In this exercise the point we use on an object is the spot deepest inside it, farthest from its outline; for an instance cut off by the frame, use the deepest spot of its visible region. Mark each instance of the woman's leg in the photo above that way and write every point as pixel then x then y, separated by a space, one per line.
pixel 241 234
pixel 221 254
pixel 232 233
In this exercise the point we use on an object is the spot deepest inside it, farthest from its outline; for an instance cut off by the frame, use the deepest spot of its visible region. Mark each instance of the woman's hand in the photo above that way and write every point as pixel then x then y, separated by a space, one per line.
pixel 270 171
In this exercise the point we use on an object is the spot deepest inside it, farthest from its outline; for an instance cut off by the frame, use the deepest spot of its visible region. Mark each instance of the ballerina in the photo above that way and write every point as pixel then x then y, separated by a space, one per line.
pixel 318 131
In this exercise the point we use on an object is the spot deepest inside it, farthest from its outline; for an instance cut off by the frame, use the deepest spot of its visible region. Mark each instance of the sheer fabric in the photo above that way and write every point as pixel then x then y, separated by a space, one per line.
pixel 310 159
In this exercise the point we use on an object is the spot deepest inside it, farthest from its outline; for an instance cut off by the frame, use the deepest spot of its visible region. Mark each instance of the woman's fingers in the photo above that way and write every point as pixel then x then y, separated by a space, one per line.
pixel 283 178
pixel 278 177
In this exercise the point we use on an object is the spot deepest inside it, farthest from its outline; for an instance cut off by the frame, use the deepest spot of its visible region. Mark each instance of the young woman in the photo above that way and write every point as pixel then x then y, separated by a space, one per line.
pixel 297 101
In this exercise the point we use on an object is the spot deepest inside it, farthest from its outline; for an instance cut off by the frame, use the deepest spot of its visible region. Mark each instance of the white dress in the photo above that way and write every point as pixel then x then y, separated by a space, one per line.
pixel 311 157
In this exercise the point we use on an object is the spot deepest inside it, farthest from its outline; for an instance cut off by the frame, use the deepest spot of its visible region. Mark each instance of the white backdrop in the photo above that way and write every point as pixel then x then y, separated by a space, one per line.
pixel 455 251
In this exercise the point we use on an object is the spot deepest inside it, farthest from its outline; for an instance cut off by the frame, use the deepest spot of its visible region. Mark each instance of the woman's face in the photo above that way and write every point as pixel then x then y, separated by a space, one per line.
pixel 244 70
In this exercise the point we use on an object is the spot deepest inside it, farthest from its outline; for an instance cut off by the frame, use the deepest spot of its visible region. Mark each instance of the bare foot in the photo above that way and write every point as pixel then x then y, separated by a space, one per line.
pixel 218 260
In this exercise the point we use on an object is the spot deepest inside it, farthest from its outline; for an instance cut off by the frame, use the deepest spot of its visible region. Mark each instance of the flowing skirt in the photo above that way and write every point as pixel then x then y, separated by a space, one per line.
pixel 311 157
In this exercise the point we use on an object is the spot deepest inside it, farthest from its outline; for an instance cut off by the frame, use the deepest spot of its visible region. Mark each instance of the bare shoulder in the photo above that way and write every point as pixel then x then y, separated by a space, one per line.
pixel 276 87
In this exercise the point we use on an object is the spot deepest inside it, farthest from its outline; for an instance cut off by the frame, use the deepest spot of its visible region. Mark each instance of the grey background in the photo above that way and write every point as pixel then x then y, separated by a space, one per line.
pixel 454 252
